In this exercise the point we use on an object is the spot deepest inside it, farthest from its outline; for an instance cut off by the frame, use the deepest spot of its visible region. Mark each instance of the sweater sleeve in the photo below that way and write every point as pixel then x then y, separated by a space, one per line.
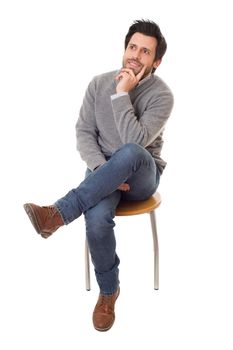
pixel 87 131
pixel 145 129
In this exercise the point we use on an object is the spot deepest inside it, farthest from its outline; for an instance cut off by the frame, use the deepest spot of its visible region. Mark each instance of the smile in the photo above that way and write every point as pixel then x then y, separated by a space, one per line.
pixel 134 64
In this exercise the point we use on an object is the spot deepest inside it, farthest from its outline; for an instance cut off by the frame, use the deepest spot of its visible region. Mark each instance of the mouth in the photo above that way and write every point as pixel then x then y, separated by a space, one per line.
pixel 134 64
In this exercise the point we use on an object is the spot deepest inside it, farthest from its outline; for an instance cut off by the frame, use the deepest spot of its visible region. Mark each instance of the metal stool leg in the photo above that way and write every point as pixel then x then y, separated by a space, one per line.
pixel 156 249
pixel 87 266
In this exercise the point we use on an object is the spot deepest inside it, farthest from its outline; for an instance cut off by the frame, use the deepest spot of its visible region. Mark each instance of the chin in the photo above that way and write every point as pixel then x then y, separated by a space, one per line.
pixel 135 70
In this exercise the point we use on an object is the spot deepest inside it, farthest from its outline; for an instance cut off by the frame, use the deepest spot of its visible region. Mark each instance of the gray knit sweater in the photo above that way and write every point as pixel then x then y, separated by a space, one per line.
pixel 107 122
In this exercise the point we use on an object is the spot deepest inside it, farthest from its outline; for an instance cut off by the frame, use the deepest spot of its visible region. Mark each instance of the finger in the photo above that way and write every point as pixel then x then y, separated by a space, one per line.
pixel 140 74
pixel 124 187
pixel 119 187
pixel 118 76
pixel 129 71
pixel 123 75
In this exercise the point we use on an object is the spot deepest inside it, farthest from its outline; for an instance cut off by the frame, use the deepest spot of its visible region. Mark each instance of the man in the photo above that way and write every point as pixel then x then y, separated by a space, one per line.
pixel 119 136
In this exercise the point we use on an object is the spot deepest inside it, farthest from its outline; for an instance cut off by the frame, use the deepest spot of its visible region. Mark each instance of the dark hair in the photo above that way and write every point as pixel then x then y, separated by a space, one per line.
pixel 149 28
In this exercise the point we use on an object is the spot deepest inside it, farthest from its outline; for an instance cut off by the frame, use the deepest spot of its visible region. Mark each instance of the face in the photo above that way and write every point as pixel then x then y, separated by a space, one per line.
pixel 140 52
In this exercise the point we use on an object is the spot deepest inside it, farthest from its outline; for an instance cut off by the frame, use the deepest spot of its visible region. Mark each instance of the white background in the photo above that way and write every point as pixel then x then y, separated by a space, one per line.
pixel 49 52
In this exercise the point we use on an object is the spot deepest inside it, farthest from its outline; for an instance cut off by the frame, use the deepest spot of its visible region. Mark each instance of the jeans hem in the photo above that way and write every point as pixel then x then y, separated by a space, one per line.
pixel 109 293
pixel 66 222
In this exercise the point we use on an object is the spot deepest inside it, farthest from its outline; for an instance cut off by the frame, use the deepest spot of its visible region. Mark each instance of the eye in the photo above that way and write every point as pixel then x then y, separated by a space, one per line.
pixel 132 47
pixel 147 52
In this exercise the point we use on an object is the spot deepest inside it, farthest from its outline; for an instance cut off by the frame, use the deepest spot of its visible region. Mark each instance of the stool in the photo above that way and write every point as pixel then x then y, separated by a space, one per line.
pixel 126 208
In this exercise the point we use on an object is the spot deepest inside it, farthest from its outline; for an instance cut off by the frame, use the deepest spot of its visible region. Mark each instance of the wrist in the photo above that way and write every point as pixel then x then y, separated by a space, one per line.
pixel 120 90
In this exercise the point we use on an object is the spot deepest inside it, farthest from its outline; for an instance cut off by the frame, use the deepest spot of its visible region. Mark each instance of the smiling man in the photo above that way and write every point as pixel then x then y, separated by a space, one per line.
pixel 119 136
pixel 140 54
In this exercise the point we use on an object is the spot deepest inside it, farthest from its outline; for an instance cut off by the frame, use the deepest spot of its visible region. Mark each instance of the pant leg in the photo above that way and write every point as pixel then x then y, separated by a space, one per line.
pixel 124 164
pixel 102 243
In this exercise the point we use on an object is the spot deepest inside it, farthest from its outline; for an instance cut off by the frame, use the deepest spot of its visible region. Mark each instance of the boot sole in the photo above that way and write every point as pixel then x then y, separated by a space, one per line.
pixel 104 329
pixel 30 212
pixel 32 216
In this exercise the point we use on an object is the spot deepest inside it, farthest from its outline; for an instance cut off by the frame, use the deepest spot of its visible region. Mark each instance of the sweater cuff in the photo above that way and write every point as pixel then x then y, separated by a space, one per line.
pixel 119 94
pixel 121 104
pixel 92 165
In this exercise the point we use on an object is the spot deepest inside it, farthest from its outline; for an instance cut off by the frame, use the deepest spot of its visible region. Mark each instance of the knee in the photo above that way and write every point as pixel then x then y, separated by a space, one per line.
pixel 98 222
pixel 134 155
pixel 132 150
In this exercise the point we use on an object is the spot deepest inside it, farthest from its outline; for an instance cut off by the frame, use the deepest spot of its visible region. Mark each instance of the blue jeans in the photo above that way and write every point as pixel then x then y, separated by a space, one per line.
pixel 97 198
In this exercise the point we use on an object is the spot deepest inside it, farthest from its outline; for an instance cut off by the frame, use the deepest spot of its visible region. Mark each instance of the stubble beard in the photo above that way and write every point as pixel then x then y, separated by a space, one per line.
pixel 138 70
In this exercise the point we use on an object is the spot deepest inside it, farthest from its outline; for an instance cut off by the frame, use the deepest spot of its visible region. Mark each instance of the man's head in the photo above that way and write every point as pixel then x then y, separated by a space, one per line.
pixel 144 46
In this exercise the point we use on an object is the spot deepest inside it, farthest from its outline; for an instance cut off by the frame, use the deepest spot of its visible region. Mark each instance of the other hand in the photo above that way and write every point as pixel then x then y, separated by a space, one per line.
pixel 124 187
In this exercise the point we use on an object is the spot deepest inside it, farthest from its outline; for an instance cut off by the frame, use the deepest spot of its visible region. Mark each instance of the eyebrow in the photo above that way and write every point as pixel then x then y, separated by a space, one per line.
pixel 131 43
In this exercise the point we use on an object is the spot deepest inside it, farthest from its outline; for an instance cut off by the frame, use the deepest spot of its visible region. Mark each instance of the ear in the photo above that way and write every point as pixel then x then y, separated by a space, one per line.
pixel 157 63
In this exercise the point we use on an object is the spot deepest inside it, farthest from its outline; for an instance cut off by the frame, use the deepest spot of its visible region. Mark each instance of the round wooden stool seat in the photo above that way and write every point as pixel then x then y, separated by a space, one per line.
pixel 126 208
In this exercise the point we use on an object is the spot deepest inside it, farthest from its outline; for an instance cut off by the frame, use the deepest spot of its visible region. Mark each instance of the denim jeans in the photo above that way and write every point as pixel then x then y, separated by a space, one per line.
pixel 97 198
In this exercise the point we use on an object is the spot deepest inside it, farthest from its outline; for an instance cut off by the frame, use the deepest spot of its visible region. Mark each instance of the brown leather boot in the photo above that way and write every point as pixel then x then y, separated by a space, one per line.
pixel 45 220
pixel 104 315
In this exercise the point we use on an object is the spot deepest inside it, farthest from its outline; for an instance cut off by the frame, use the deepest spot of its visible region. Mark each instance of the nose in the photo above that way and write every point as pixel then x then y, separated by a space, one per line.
pixel 136 54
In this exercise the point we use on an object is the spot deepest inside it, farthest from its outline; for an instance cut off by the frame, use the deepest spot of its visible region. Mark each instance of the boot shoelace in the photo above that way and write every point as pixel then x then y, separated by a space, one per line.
pixel 52 210
pixel 106 302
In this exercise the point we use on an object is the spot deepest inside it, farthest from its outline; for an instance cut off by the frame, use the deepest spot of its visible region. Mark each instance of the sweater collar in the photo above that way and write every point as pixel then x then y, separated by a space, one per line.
pixel 144 79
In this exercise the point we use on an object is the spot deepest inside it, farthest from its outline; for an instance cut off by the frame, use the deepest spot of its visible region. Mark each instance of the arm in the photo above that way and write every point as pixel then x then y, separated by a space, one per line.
pixel 145 130
pixel 87 131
